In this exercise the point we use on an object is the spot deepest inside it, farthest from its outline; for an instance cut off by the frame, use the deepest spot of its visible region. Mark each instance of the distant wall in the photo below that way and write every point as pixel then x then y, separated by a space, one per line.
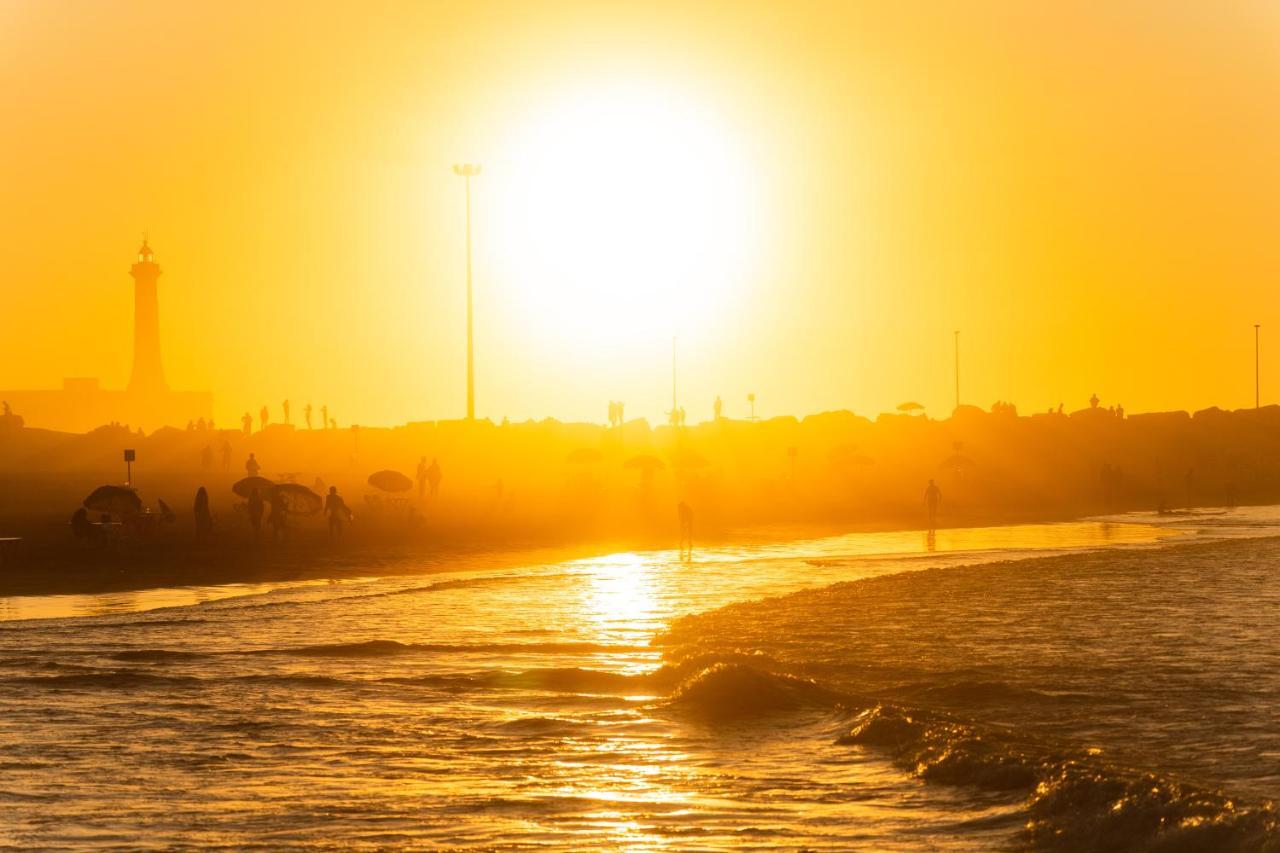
pixel 80 407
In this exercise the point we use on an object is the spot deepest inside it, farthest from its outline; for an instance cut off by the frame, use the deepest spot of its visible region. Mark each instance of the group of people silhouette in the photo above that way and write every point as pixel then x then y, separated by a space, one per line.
pixel 429 477
pixel 264 418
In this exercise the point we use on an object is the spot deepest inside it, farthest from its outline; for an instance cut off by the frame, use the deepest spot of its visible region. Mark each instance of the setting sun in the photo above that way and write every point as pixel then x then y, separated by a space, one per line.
pixel 628 212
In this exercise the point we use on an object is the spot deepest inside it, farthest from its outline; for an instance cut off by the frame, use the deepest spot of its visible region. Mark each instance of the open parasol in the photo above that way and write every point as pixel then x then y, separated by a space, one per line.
pixel 244 488
pixel 117 500
pixel 390 481
pixel 298 499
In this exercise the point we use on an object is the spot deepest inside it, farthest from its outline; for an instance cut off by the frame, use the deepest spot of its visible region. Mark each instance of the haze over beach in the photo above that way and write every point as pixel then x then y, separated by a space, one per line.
pixel 639 426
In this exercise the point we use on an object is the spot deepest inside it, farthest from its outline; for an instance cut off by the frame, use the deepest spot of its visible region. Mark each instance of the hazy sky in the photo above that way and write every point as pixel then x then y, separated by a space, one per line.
pixel 811 196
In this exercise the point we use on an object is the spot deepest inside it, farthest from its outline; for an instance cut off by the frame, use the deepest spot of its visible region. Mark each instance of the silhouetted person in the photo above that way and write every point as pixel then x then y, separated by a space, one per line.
pixel 324 417
pixel 263 414
pixel 251 466
pixel 279 515
pixel 622 408
pixel 717 407
pixel 422 477
pixel 203 518
pixel 336 508
pixel 1094 401
pixel 434 475
pixel 932 499
pixel 226 455
pixel 306 413
pixel 206 458
pixel 246 423
pixel 285 406
pixel 256 509
pixel 685 513
pixel 81 527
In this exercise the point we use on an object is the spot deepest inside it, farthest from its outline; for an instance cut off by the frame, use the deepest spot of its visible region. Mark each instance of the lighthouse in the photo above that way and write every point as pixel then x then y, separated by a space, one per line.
pixel 148 373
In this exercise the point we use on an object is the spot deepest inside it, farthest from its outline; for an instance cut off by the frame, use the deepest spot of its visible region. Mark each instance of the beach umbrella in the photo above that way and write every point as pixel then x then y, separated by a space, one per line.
pixel 390 481
pixel 645 462
pixel 688 459
pixel 298 499
pixel 117 500
pixel 647 465
pixel 584 456
pixel 245 487
pixel 910 407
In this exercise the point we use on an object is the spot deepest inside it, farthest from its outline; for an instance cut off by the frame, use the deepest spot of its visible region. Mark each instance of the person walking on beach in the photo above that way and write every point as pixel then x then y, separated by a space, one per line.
pixel 685 514
pixel 251 466
pixel 324 417
pixel 203 518
pixel 279 516
pixel 422 477
pixel 285 406
pixel 263 414
pixel 256 508
pixel 336 509
pixel 246 423
pixel 306 413
pixel 932 498
pixel 434 476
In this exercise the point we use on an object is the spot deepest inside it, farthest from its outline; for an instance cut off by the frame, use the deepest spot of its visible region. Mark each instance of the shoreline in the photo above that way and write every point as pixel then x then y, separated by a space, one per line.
pixel 70 569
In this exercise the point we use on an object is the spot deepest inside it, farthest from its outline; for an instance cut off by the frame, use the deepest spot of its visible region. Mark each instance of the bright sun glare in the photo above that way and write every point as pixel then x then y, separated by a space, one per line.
pixel 626 216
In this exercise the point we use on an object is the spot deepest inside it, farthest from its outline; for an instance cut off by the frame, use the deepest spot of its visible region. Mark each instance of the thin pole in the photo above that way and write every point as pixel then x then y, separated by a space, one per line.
pixel 1257 365
pixel 471 376
pixel 957 368
pixel 673 379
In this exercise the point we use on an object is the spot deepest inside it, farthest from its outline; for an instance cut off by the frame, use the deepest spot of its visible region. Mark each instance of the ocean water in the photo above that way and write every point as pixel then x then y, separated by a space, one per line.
pixel 869 691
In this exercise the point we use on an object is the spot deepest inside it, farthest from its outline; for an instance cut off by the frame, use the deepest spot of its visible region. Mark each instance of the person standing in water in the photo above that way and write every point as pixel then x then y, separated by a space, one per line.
pixel 203 518
pixel 256 508
pixel 422 477
pixel 685 513
pixel 336 509
pixel 932 499
pixel 434 476
pixel 279 516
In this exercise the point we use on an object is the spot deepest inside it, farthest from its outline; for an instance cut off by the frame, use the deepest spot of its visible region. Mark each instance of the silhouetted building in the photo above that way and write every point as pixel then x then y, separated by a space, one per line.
pixel 148 372
pixel 148 403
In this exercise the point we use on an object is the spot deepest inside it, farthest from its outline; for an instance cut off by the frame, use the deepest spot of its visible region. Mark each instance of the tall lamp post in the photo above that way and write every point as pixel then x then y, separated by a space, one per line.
pixel 1257 364
pixel 957 368
pixel 675 410
pixel 467 171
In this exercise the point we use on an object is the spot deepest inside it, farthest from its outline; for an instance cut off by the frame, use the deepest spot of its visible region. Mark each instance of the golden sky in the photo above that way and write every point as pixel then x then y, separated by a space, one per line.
pixel 811 196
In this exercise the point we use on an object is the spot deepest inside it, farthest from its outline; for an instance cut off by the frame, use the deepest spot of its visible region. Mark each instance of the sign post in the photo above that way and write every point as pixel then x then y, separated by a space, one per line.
pixel 129 456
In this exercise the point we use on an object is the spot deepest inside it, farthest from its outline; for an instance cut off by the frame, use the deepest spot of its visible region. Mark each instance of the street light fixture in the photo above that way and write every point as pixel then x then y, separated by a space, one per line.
pixel 467 171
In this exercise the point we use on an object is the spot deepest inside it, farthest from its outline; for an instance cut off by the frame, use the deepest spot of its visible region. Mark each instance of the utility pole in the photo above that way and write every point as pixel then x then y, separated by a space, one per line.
pixel 674 409
pixel 957 368
pixel 1257 366
pixel 467 171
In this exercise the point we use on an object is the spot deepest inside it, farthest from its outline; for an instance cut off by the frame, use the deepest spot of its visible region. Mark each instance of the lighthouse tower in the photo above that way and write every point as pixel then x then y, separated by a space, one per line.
pixel 148 373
